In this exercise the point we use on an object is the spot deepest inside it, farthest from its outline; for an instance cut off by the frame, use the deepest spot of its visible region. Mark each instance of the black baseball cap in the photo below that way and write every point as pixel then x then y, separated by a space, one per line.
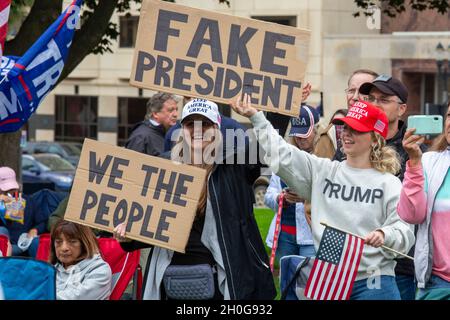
pixel 387 85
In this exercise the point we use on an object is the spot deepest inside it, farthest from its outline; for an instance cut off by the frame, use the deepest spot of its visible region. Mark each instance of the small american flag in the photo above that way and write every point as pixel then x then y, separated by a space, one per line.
pixel 4 14
pixel 379 125
pixel 335 267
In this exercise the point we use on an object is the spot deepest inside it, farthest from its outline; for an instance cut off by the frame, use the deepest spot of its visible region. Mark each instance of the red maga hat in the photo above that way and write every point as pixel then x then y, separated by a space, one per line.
pixel 364 117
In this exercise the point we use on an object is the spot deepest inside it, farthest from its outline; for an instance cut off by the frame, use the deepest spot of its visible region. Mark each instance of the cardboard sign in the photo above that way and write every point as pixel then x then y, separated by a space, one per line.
pixel 205 54
pixel 156 198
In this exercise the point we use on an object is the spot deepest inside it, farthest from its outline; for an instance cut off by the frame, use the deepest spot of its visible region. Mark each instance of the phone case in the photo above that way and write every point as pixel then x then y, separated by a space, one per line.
pixel 426 124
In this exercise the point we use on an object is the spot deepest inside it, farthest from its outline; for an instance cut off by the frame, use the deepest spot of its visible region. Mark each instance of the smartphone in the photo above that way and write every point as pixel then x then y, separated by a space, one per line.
pixel 426 124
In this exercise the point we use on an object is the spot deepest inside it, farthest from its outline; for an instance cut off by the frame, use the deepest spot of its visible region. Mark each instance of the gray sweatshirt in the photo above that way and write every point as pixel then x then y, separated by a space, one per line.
pixel 89 279
pixel 356 200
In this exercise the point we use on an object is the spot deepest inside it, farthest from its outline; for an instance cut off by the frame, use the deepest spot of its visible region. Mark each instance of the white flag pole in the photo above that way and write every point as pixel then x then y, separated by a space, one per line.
pixel 355 235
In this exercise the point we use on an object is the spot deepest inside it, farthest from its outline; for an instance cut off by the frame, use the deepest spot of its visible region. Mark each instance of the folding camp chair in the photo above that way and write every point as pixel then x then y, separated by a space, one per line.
pixel 3 245
pixel 124 266
pixel 27 279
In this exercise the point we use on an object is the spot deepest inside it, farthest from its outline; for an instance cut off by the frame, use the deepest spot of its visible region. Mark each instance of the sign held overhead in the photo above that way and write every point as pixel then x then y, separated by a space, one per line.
pixel 156 198
pixel 206 54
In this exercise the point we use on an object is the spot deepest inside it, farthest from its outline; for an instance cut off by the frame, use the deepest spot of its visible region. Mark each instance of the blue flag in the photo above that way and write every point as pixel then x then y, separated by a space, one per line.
pixel 26 80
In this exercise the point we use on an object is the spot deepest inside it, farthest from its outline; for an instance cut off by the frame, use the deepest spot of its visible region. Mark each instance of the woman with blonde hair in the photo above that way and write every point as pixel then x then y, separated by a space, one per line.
pixel 359 195
pixel 81 273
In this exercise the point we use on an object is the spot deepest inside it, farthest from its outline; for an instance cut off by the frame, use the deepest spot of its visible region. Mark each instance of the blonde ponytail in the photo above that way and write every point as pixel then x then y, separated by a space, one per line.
pixel 382 157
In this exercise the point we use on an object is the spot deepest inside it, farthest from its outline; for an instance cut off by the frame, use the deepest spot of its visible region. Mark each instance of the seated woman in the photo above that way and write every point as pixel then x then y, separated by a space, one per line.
pixel 82 274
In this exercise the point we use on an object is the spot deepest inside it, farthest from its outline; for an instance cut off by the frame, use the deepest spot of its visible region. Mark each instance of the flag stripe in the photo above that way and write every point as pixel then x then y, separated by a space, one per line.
pixel 4 4
pixel 335 286
pixel 25 87
pixel 329 295
pixel 4 15
pixel 311 280
pixel 12 120
pixel 318 279
pixel 322 281
pixel 348 267
pixel 328 280
pixel 350 245
pixel 358 254
pixel 358 260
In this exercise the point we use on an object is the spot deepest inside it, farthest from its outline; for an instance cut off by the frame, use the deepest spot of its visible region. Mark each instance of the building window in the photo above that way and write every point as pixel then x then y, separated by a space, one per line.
pixel 284 20
pixel 128 31
pixel 76 118
pixel 131 112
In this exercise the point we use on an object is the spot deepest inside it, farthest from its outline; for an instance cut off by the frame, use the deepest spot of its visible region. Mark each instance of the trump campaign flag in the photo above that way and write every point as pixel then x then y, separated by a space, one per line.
pixel 335 267
pixel 26 80
pixel 4 14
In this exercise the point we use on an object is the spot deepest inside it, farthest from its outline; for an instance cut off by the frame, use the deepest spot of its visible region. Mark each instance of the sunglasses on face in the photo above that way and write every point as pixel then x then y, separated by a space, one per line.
pixel 203 123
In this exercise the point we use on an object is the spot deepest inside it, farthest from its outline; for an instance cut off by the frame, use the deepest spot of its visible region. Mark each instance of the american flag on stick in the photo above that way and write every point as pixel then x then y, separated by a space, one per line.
pixel 4 15
pixel 335 266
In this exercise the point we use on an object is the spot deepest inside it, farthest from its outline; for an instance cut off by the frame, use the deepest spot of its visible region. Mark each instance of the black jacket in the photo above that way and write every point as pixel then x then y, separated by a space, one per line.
pixel 146 138
pixel 244 256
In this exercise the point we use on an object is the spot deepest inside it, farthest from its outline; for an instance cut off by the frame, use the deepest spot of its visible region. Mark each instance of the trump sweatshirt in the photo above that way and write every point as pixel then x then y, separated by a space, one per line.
pixel 356 200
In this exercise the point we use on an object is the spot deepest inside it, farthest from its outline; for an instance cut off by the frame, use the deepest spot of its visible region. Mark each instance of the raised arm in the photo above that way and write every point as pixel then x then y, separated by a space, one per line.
pixel 295 167
pixel 412 206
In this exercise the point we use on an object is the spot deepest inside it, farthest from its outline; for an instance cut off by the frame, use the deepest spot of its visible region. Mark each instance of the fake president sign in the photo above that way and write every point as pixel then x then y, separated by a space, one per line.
pixel 210 55
pixel 156 198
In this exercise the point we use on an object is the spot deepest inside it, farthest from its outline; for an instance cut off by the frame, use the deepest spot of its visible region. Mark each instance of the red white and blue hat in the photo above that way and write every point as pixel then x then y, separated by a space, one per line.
pixel 364 117
pixel 303 126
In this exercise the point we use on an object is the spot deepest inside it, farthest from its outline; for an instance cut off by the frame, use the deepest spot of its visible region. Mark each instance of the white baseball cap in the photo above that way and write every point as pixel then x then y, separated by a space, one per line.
pixel 202 107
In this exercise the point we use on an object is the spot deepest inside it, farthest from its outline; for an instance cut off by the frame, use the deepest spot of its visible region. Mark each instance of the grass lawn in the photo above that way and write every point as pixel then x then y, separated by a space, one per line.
pixel 264 218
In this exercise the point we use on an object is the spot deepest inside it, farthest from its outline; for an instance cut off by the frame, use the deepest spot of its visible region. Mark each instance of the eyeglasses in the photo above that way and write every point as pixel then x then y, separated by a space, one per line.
pixel 201 123
pixel 380 101
pixel 351 91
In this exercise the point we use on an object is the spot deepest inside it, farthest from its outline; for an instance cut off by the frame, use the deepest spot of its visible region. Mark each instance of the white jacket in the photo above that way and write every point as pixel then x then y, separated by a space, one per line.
pixel 303 230
pixel 89 279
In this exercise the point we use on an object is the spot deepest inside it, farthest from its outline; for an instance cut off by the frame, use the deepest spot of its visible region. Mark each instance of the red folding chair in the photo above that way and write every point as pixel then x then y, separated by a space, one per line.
pixel 43 251
pixel 124 266
pixel 3 244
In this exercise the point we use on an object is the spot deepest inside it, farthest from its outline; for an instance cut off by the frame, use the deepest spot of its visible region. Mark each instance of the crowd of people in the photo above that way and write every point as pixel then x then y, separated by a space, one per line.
pixel 364 172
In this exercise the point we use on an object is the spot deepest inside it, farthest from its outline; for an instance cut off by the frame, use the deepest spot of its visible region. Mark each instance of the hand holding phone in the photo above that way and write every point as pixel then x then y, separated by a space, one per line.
pixel 426 124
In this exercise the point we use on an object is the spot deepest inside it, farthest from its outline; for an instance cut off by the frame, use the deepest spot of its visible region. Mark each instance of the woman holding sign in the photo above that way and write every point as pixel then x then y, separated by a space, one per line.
pixel 359 195
pixel 225 249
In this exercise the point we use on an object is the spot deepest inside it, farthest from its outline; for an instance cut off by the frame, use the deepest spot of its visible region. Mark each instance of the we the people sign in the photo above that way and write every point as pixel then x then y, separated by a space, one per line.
pixel 206 54
pixel 156 198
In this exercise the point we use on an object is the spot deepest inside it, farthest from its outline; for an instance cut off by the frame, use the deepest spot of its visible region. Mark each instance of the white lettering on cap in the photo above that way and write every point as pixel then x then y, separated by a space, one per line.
pixel 360 104
pixel 299 122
